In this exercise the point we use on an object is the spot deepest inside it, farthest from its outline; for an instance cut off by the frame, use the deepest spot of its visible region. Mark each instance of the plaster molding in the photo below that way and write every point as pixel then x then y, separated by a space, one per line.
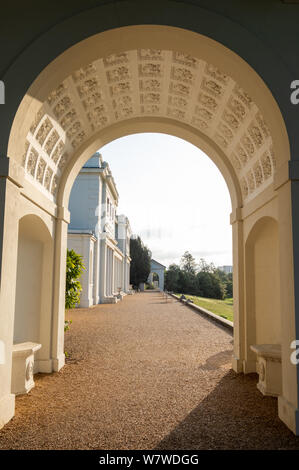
pixel 154 83
pixel 63 214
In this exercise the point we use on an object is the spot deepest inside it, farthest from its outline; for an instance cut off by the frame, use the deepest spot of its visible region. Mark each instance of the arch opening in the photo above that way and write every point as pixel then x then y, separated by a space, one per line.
pixel 263 284
pixel 191 87
pixel 33 298
pixel 180 86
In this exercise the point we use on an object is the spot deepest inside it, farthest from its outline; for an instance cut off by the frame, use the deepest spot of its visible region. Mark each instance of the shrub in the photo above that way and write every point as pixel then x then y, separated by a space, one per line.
pixel 203 280
pixel 74 269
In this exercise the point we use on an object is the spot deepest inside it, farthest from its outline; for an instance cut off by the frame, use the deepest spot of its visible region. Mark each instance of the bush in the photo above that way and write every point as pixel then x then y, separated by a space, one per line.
pixel 74 269
pixel 203 280
pixel 172 278
pixel 149 286
pixel 140 267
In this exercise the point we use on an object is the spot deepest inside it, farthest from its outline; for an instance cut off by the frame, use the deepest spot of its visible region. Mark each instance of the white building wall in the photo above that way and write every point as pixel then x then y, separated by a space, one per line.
pixel 84 201
pixel 123 239
pixel 93 204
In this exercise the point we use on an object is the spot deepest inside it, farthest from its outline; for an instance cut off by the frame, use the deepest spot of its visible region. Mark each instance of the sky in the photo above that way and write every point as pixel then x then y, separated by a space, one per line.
pixel 174 196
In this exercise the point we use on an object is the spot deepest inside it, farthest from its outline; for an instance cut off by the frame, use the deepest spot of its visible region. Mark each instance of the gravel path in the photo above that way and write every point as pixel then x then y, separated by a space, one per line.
pixel 146 374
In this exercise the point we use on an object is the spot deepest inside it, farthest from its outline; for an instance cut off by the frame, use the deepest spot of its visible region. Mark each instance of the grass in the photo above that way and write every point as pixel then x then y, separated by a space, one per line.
pixel 223 308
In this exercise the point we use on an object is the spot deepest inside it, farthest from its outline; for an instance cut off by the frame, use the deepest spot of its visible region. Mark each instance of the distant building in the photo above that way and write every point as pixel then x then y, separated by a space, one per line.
pixel 100 235
pixel 227 269
pixel 158 269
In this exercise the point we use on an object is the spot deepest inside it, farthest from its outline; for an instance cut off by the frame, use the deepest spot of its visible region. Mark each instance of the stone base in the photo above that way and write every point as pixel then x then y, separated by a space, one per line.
pixel 249 367
pixel 288 414
pixel 237 364
pixel 109 300
pixel 264 389
pixel 243 366
pixel 58 363
pixel 7 409
pixel 86 303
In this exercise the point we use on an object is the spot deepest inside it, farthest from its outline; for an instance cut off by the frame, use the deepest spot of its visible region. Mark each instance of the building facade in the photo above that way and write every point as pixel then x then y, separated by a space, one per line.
pixel 100 235
pixel 226 268
pixel 158 270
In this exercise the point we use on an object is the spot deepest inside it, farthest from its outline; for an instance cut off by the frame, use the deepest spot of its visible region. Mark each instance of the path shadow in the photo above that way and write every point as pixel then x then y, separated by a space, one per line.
pixel 217 360
pixel 234 416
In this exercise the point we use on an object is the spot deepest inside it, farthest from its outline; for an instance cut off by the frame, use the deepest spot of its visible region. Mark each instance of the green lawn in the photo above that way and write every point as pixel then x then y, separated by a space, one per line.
pixel 223 308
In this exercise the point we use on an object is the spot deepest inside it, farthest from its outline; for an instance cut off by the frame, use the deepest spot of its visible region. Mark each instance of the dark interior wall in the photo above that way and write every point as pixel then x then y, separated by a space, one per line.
pixel 272 21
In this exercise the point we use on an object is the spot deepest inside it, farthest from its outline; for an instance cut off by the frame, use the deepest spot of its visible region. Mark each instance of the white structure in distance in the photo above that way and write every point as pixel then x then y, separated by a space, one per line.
pixel 158 269
pixel 227 269
pixel 100 235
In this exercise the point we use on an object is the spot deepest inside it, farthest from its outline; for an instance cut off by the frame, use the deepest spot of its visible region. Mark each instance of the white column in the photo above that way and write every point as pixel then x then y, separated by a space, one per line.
pixel 128 276
pixel 91 270
pixel 62 221
pixel 112 272
pixel 107 270
pixel 240 361
pixel 9 197
pixel 122 274
pixel 104 262
pixel 96 273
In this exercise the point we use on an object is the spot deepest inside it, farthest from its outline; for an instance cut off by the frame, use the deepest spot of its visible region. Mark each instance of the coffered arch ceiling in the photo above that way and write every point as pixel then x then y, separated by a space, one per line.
pixel 156 83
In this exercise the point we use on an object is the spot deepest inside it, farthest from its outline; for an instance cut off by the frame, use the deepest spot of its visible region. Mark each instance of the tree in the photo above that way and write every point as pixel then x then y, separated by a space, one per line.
pixel 205 281
pixel 187 282
pixel 188 263
pixel 141 262
pixel 74 269
pixel 229 285
pixel 227 280
pixel 209 281
pixel 206 267
pixel 172 276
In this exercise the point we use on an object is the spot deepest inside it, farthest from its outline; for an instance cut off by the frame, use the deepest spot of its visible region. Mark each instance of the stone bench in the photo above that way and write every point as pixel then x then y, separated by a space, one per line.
pixel 23 367
pixel 269 368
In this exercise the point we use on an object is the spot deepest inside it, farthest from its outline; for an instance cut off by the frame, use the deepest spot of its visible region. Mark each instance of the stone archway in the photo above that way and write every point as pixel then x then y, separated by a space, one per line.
pixel 158 270
pixel 176 82
pixel 263 313
pixel 33 304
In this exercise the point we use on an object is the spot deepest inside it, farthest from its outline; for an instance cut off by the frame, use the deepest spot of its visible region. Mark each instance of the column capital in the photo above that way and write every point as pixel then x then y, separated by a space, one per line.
pixel 236 215
pixel 11 169
pixel 63 213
